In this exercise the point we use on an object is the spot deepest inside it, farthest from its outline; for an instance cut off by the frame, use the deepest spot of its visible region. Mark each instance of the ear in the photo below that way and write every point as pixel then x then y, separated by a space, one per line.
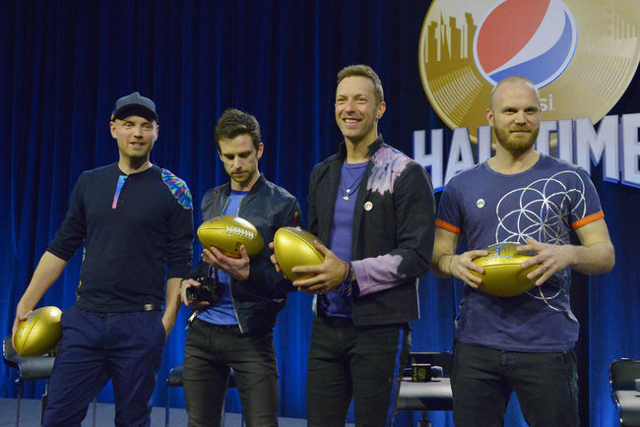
pixel 382 107
pixel 490 116
pixel 112 129
pixel 260 150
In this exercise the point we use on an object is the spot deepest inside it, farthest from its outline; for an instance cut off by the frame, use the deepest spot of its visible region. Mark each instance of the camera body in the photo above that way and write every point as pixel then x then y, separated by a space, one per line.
pixel 209 291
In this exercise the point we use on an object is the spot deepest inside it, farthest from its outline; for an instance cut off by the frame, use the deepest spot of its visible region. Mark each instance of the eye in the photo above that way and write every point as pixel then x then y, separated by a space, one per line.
pixel 127 125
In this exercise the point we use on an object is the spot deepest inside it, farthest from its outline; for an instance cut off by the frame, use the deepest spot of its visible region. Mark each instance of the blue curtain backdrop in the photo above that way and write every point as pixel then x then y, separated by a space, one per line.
pixel 64 63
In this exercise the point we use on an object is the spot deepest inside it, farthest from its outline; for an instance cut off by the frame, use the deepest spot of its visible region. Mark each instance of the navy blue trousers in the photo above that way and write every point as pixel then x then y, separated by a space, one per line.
pixel 96 347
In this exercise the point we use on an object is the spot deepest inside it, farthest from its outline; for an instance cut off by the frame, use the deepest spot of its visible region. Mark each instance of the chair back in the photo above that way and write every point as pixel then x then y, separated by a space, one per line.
pixel 623 373
pixel 29 368
pixel 9 354
pixel 175 377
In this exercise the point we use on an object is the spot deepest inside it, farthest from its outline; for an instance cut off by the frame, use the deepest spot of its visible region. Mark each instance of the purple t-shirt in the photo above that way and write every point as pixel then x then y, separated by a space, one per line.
pixel 336 303
pixel 544 202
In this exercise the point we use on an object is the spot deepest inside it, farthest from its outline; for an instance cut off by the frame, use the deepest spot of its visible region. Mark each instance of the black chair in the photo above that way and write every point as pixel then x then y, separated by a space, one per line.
pixel 175 380
pixel 31 369
pixel 624 382
pixel 432 395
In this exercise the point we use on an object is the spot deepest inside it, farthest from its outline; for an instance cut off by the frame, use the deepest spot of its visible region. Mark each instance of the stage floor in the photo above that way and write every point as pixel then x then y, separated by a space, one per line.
pixel 30 416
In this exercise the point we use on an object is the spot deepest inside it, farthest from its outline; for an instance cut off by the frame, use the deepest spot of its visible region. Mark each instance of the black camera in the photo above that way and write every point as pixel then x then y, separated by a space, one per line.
pixel 209 291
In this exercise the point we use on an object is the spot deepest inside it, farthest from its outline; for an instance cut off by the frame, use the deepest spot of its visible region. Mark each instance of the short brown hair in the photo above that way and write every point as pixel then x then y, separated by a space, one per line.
pixel 364 71
pixel 235 122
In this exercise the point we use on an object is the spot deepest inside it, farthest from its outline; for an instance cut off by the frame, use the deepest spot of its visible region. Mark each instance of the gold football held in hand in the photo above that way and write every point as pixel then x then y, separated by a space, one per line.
pixel 503 273
pixel 227 233
pixel 39 333
pixel 294 247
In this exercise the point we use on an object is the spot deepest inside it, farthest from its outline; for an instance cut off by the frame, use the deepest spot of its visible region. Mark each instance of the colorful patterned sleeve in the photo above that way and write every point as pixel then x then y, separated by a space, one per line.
pixel 180 230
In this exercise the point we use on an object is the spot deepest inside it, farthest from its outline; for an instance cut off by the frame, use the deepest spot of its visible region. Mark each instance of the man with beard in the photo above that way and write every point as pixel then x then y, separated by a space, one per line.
pixel 523 343
pixel 236 331
pixel 135 220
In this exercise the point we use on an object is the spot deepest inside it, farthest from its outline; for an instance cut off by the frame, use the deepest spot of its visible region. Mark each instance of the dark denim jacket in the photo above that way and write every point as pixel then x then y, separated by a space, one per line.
pixel 257 300
pixel 393 230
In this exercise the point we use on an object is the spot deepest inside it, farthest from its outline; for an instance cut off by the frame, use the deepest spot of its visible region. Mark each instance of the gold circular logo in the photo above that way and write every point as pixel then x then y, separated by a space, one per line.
pixel 581 54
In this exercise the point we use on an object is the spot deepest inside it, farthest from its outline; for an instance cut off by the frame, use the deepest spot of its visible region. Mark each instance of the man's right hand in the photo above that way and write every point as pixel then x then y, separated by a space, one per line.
pixel 187 283
pixel 47 272
pixel 460 266
pixel 21 314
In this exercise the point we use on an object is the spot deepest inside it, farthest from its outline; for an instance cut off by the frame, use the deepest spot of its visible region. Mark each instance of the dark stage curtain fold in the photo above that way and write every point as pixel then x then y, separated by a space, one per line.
pixel 64 63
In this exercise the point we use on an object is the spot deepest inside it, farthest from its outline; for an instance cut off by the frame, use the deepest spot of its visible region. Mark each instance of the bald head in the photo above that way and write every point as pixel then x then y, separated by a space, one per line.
pixel 512 79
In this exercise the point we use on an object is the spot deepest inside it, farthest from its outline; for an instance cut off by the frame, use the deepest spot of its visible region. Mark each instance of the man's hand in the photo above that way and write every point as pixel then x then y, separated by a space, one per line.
pixel 21 314
pixel 461 265
pixel 326 276
pixel 187 283
pixel 238 268
pixel 550 258
pixel 273 259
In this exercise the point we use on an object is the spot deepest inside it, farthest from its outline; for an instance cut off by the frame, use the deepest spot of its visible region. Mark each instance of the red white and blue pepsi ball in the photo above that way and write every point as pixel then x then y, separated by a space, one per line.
pixel 227 233
pixel 293 248
pixel 39 332
pixel 503 273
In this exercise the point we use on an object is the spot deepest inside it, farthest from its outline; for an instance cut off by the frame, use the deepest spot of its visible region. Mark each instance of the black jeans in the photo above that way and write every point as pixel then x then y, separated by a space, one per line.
pixel 482 379
pixel 209 354
pixel 363 362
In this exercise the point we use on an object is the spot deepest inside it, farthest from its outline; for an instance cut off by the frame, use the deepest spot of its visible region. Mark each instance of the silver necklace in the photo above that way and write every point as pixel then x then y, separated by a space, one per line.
pixel 350 189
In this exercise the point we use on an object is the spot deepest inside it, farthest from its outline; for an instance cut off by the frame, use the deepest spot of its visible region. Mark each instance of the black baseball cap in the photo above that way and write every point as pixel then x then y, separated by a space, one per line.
pixel 134 104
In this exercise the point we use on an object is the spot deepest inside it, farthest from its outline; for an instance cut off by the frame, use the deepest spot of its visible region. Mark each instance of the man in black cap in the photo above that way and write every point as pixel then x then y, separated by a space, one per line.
pixel 135 220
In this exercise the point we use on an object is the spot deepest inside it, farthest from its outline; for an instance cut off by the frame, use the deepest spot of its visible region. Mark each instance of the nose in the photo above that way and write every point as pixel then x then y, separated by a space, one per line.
pixel 521 117
pixel 137 131
pixel 348 105
pixel 237 163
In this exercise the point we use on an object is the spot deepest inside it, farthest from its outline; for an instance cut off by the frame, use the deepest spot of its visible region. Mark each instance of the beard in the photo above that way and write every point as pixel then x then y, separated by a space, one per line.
pixel 516 144
pixel 244 178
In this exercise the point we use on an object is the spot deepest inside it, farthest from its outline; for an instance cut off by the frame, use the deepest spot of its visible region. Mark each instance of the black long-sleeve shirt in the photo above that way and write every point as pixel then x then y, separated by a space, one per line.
pixel 135 229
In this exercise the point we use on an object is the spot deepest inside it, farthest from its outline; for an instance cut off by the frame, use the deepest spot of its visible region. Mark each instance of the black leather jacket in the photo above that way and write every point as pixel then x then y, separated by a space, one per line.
pixel 257 300
pixel 393 231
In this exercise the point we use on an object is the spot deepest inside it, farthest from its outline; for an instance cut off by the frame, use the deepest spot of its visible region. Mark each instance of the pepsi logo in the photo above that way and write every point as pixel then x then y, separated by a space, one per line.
pixel 581 54
pixel 534 39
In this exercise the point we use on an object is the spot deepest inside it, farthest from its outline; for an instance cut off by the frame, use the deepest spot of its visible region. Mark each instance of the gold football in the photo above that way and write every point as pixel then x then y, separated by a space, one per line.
pixel 39 332
pixel 227 233
pixel 294 247
pixel 503 273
